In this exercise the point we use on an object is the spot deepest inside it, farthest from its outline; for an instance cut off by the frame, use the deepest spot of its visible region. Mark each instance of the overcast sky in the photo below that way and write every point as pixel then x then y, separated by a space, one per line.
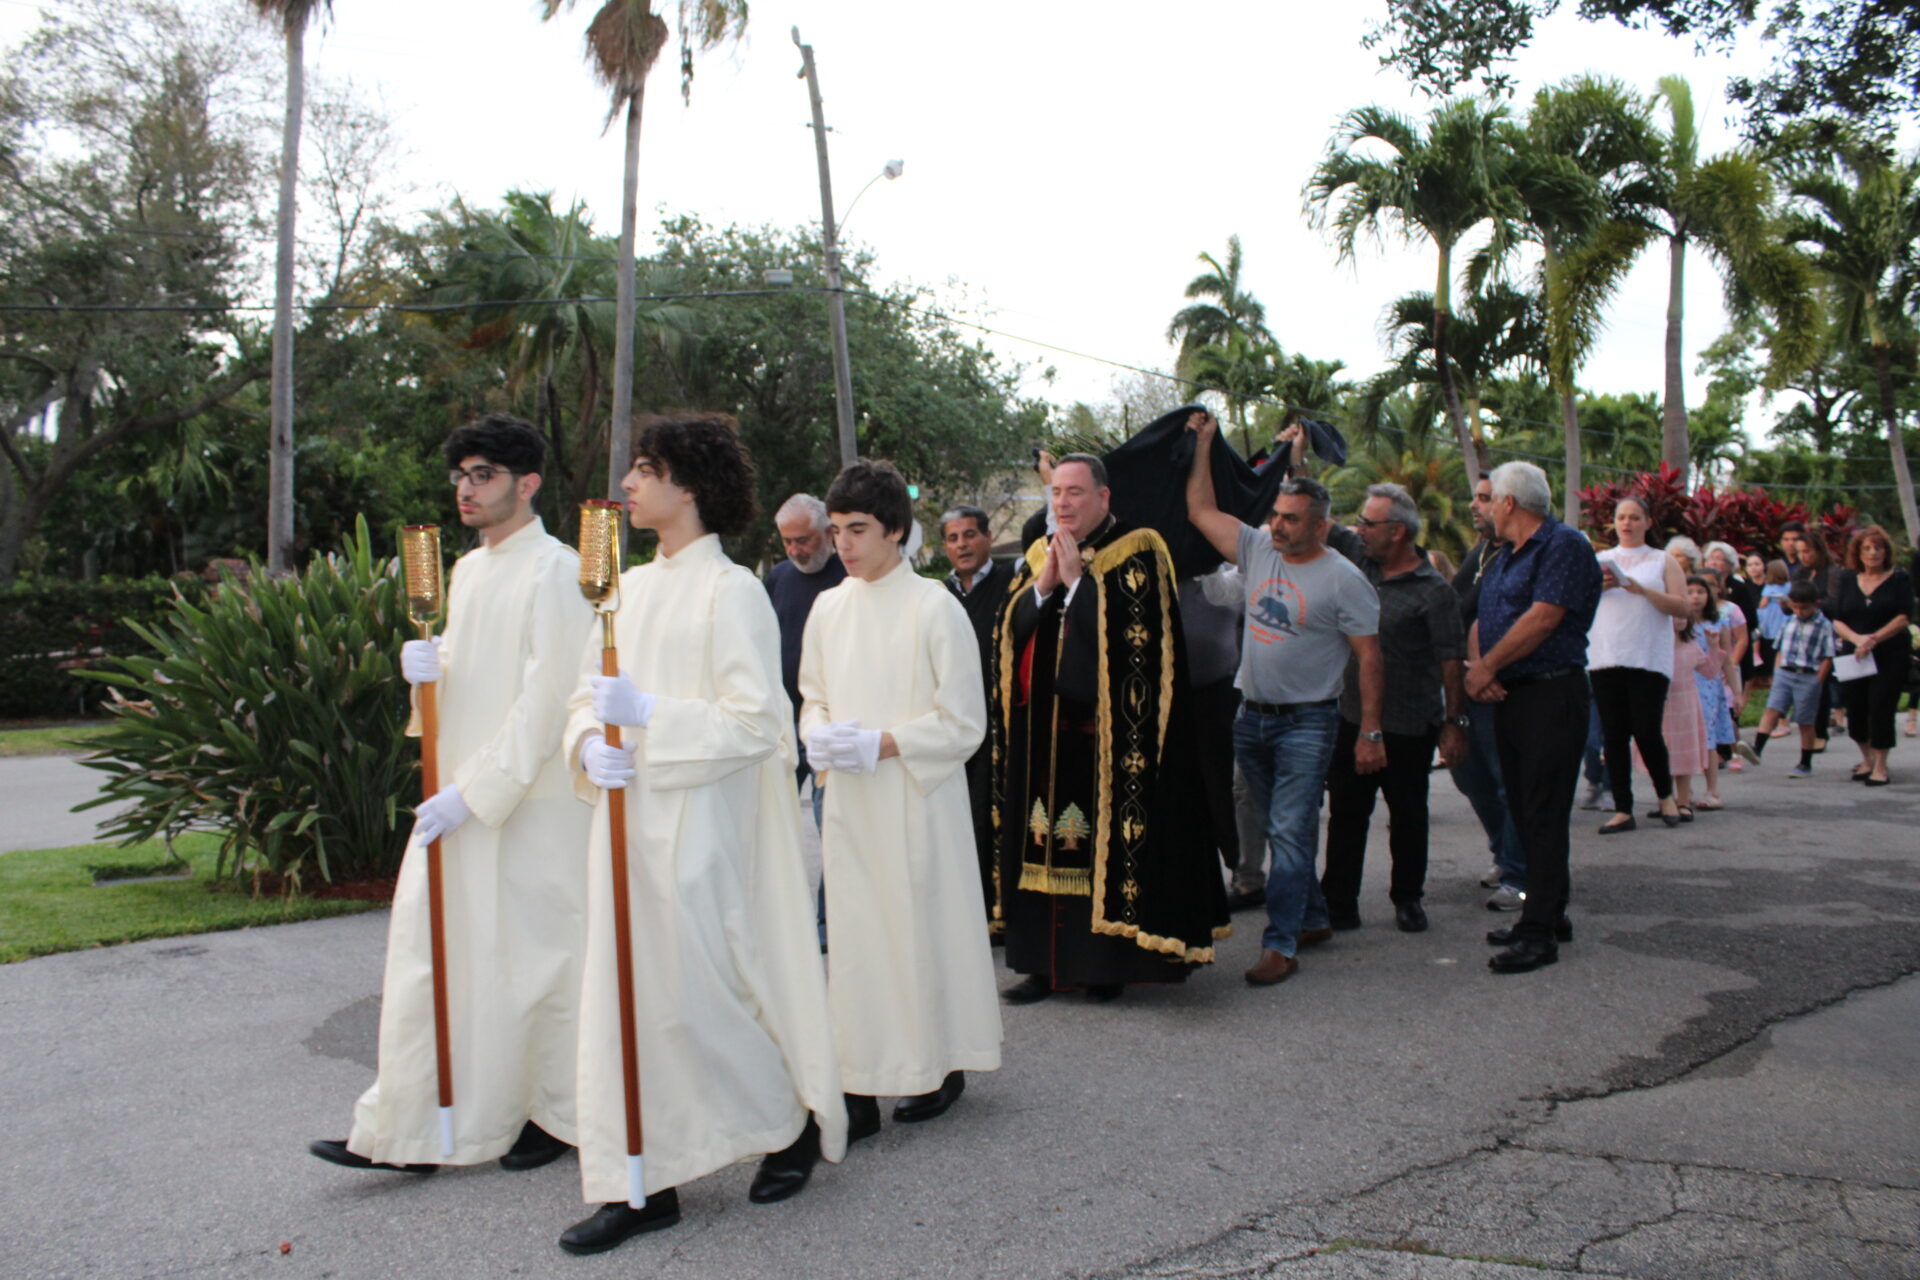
pixel 1065 161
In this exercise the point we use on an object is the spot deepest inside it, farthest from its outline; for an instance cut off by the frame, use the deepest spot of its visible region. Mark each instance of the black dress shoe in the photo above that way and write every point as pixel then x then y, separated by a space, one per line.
pixel 1562 932
pixel 1410 916
pixel 783 1173
pixel 863 1117
pixel 928 1105
pixel 1342 921
pixel 616 1223
pixel 1104 992
pixel 1246 899
pixel 533 1148
pixel 335 1152
pixel 1029 989
pixel 1524 956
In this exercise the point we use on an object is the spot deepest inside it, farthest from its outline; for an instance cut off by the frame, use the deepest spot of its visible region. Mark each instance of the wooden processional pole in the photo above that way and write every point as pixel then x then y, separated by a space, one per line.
pixel 420 559
pixel 600 557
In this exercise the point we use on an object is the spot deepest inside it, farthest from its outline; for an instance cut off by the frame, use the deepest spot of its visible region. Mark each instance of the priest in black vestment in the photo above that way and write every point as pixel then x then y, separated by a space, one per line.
pixel 1107 870
pixel 981 587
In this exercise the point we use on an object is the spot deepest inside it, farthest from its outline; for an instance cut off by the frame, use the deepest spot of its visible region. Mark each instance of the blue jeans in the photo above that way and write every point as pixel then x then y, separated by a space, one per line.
pixel 1285 759
pixel 1478 777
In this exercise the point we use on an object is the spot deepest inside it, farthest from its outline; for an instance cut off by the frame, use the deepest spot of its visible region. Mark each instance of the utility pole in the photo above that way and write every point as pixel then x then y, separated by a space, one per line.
pixel 836 296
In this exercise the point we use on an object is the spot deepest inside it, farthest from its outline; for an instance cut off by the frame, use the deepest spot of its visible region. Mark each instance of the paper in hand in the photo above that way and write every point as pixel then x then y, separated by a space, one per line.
pixel 1854 666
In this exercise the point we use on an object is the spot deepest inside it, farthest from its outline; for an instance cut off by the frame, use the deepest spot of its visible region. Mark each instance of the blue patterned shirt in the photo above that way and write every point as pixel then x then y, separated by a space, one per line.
pixel 1806 642
pixel 1555 566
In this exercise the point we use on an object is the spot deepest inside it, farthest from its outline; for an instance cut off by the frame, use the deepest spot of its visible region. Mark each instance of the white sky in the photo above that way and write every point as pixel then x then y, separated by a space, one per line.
pixel 1066 161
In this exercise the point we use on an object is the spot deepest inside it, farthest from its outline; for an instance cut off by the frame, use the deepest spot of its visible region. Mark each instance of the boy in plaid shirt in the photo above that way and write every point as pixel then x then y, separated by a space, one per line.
pixel 1805 656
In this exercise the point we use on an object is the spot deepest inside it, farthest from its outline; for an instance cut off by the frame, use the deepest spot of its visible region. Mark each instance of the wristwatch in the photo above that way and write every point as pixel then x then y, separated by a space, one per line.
pixel 1375 736
pixel 1460 722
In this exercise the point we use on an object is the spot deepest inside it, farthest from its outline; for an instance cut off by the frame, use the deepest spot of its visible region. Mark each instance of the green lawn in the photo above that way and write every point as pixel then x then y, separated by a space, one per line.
pixel 64 739
pixel 48 901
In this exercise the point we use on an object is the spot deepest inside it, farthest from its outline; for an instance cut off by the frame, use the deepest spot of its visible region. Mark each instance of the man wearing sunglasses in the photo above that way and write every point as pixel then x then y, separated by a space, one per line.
pixel 512 838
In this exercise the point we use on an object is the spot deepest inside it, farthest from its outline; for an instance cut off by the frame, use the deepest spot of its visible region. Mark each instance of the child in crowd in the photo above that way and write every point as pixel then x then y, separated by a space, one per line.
pixel 1772 617
pixel 1804 662
pixel 1716 674
pixel 1682 725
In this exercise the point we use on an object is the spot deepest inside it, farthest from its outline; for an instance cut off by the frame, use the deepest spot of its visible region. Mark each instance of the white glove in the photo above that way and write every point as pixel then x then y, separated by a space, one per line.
pixel 440 814
pixel 821 743
pixel 618 700
pixel 609 768
pixel 858 751
pixel 420 661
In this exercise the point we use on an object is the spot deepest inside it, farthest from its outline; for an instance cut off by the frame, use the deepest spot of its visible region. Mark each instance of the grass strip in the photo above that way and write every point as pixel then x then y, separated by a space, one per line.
pixel 49 903
pixel 54 740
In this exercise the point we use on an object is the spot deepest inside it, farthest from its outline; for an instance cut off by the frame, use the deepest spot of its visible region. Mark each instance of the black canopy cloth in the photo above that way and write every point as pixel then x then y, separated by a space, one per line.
pixel 1148 475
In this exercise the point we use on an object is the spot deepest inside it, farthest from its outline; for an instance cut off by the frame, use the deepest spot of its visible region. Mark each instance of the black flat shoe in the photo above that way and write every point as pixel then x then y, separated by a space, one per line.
pixel 1524 956
pixel 1028 990
pixel 616 1223
pixel 1879 782
pixel 1616 828
pixel 928 1105
pixel 1410 916
pixel 1686 813
pixel 1104 992
pixel 533 1148
pixel 1860 775
pixel 1246 899
pixel 335 1152
pixel 863 1117
pixel 1503 937
pixel 783 1173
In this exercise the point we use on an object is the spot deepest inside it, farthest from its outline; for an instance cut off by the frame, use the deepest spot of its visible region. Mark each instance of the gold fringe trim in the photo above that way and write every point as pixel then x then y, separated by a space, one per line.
pixel 1072 882
pixel 1154 942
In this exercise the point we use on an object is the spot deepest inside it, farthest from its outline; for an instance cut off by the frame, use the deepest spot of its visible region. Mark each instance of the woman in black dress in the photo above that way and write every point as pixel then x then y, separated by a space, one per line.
pixel 1872 604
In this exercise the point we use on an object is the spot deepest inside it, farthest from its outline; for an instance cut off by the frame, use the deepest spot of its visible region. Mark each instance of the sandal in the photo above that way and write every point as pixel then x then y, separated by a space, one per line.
pixel 1711 803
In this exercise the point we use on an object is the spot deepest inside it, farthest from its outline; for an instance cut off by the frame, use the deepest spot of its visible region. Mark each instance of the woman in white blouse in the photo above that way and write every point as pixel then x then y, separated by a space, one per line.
pixel 1630 660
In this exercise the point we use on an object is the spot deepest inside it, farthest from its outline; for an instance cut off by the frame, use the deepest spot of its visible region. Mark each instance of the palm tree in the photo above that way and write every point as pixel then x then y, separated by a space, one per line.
pixel 1859 214
pixel 1495 329
pixel 1224 340
pixel 1439 182
pixel 624 40
pixel 1433 477
pixel 1724 205
pixel 293 16
pixel 1579 171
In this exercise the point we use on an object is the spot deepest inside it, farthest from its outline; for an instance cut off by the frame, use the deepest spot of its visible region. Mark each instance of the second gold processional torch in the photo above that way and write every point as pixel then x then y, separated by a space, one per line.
pixel 600 557
pixel 420 561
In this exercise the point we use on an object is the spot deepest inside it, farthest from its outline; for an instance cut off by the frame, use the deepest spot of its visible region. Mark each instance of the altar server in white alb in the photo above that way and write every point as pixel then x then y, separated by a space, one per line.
pixel 735 1050
pixel 892 706
pixel 512 845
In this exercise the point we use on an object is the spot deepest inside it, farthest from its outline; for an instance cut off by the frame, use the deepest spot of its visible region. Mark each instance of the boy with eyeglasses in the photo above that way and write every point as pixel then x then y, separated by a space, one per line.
pixel 512 839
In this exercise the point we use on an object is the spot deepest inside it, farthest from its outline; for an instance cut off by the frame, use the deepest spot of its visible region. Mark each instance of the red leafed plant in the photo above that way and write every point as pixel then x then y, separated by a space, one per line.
pixel 1745 519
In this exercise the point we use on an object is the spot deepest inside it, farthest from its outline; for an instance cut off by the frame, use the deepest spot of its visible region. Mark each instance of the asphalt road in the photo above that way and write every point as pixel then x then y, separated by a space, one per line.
pixel 1716 1079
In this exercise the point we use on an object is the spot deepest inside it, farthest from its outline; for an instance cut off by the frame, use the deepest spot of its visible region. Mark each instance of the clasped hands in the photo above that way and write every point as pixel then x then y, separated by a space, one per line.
pixel 843 746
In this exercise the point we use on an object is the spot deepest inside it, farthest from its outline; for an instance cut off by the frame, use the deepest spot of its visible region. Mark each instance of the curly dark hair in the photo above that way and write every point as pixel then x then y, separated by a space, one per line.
pixel 503 440
pixel 702 452
pixel 875 488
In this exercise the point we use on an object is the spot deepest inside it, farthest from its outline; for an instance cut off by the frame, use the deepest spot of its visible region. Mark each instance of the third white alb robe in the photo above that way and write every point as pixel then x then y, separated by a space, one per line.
pixel 910 972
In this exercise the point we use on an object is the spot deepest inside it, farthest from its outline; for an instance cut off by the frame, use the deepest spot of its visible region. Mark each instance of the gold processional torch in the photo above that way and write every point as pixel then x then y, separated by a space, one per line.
pixel 600 557
pixel 420 560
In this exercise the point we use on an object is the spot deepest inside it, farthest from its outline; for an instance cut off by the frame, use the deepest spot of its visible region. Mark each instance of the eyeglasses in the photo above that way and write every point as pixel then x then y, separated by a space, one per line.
pixel 481 476
pixel 1363 523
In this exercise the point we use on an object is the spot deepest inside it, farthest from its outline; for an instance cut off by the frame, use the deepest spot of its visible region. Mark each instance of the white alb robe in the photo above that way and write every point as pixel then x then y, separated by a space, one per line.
pixel 514 874
pixel 910 973
pixel 731 1001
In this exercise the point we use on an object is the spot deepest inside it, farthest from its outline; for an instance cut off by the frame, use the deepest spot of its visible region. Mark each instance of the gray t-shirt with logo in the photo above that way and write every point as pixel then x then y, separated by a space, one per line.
pixel 1297 620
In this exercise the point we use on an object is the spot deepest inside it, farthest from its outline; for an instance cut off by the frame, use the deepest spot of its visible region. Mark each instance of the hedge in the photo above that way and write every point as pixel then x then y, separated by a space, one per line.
pixel 50 627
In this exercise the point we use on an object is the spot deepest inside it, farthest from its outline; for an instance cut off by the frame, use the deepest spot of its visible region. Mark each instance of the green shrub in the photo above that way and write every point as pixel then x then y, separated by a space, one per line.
pixel 50 627
pixel 272 714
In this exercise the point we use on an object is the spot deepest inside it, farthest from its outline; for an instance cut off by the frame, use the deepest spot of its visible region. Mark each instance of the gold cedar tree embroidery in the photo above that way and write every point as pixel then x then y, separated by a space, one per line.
pixel 1072 827
pixel 1039 824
